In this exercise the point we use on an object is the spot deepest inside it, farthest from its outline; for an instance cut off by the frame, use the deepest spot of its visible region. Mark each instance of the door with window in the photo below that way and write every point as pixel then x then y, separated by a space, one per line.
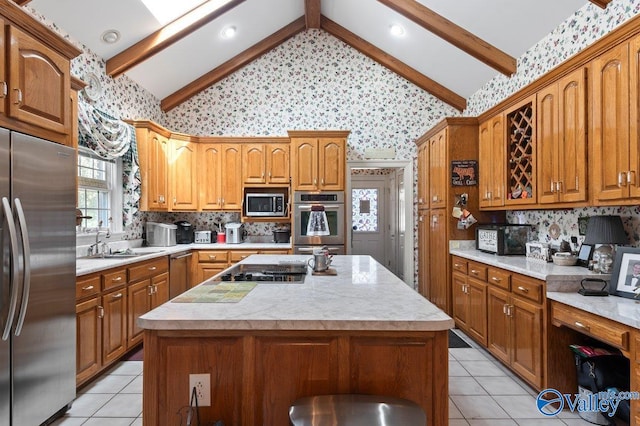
pixel 369 216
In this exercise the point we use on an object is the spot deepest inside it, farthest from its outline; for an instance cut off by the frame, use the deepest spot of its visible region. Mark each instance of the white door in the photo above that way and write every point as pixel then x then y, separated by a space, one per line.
pixel 369 216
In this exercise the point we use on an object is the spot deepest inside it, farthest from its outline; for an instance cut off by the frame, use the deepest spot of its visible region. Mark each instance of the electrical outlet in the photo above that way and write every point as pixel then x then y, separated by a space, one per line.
pixel 202 383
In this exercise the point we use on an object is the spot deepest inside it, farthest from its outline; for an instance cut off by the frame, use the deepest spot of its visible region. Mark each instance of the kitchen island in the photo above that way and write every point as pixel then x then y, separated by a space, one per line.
pixel 360 331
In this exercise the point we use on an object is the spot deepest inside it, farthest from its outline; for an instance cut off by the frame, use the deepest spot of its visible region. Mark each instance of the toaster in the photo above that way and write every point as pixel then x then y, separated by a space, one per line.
pixel 160 234
pixel 202 237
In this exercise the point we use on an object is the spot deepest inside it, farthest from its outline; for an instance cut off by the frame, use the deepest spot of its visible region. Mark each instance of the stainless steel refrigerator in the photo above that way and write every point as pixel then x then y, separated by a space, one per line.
pixel 37 284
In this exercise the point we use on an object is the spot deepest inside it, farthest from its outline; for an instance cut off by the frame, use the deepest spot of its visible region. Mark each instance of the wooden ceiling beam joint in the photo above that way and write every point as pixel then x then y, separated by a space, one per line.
pixel 390 62
pixel 601 3
pixel 166 36
pixel 233 64
pixel 312 13
pixel 454 34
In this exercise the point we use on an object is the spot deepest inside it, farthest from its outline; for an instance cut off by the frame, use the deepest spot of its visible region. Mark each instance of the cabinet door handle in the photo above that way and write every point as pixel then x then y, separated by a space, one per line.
pixel 150 290
pixel 223 201
pixel 581 325
pixel 510 310
pixel 504 309
pixel 117 296
pixel 87 288
pixel 523 289
pixel 629 180
pixel 100 312
pixel 161 198
pixel 559 186
pixel 5 89
pixel 18 101
pixel 315 182
pixel 577 186
pixel 552 187
pixel 489 195
pixel 620 177
pixel 420 200
pixel 175 201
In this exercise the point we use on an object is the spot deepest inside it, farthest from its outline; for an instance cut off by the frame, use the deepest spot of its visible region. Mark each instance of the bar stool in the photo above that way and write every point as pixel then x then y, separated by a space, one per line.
pixel 355 410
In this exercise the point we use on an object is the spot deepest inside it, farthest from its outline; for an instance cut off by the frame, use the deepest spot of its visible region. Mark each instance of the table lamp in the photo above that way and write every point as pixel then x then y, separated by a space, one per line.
pixel 606 231
pixel 318 224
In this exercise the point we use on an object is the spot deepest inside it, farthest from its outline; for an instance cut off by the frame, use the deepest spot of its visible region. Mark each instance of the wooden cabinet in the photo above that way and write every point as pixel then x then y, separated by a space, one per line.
pixel 469 300
pixel 157 164
pixel 439 292
pixel 265 164
pixel 220 173
pixel 318 160
pixel 423 176
pixel 492 163
pixel 183 177
pixel 208 263
pixel 562 140
pixel 438 170
pixel 516 327
pixel 615 152
pixel 89 315
pixel 114 325
pixel 424 272
pixel 521 143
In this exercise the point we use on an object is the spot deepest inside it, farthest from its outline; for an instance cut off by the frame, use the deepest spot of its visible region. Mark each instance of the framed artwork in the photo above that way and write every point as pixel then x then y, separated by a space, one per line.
pixel 625 279
pixel 582 225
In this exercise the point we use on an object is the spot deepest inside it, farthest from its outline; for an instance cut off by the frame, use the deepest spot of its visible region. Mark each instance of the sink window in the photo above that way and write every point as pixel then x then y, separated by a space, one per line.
pixel 99 191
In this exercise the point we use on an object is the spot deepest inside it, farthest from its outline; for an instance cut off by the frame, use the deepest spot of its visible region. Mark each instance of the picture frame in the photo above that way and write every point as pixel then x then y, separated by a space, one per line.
pixel 584 255
pixel 623 282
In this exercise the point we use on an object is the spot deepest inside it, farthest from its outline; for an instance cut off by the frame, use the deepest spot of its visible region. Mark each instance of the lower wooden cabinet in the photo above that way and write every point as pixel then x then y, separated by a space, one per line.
pixel 88 338
pixel 503 312
pixel 209 263
pixel 114 325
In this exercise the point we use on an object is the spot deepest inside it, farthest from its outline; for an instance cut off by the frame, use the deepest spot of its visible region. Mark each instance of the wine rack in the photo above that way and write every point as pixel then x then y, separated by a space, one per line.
pixel 521 154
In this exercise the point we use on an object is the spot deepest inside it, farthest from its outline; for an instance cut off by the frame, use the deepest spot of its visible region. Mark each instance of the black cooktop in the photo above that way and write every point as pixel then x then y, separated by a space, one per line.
pixel 292 273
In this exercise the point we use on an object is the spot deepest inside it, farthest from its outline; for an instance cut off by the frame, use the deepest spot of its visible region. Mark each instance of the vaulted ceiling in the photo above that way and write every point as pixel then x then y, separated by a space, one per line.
pixel 449 48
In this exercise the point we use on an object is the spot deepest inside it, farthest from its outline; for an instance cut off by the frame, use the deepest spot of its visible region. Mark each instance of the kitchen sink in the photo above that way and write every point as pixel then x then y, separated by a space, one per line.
pixel 123 254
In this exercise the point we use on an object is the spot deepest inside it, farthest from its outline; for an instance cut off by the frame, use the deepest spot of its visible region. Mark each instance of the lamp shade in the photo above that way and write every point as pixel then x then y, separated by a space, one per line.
pixel 605 230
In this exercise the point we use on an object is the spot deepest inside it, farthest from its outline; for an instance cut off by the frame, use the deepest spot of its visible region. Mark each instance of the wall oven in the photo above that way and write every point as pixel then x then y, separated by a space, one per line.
pixel 333 203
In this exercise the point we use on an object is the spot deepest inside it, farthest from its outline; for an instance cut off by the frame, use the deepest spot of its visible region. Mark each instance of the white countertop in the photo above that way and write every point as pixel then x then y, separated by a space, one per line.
pixel 363 295
pixel 619 309
pixel 86 266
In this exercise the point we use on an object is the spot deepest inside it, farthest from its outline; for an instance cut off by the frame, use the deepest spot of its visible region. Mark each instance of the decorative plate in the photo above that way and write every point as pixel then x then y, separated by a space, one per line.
pixel 93 90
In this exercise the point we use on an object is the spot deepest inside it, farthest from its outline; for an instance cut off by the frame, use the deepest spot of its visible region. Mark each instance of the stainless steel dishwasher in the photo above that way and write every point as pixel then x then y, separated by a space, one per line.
pixel 179 273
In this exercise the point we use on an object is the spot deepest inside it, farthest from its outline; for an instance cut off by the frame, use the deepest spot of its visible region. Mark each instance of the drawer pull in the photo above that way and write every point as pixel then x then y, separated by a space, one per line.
pixel 87 288
pixel 581 325
pixel 212 256
pixel 117 296
pixel 523 289
pixel 473 271
pixel 152 268
pixel 496 279
pixel 116 279
pixel 457 265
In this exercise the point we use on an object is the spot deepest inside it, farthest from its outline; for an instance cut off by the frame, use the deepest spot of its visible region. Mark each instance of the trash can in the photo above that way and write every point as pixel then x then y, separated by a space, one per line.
pixel 355 410
pixel 601 370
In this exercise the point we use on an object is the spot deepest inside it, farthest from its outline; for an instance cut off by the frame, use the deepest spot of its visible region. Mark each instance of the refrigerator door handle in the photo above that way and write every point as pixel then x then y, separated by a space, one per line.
pixel 13 239
pixel 26 255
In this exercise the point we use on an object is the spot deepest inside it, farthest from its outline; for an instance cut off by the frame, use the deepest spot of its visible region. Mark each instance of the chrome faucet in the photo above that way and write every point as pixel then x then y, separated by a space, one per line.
pixel 94 248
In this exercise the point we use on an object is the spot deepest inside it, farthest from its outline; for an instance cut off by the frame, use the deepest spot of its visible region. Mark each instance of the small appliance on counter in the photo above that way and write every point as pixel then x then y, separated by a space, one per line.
pixel 184 233
pixel 202 237
pixel 234 233
pixel 160 234
pixel 503 239
pixel 281 235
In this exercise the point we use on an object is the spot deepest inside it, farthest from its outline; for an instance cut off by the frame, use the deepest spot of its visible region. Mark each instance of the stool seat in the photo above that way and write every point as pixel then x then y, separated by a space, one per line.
pixel 355 410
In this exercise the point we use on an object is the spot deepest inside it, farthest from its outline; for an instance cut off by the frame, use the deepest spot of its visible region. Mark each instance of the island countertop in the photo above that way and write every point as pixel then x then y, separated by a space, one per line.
pixel 363 295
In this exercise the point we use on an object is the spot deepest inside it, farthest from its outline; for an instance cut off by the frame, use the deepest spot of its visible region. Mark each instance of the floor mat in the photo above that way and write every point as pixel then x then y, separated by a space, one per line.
pixel 456 341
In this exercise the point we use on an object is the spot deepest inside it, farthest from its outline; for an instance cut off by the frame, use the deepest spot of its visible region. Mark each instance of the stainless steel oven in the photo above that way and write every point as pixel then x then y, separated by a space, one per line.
pixel 333 203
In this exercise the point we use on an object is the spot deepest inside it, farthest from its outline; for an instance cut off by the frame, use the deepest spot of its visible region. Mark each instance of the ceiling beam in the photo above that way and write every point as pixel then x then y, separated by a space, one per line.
pixel 394 64
pixel 166 36
pixel 233 64
pixel 601 3
pixel 21 2
pixel 312 13
pixel 454 34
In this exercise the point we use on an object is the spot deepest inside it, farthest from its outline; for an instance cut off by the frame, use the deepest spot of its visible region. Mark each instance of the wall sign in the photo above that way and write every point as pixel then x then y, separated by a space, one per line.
pixel 464 173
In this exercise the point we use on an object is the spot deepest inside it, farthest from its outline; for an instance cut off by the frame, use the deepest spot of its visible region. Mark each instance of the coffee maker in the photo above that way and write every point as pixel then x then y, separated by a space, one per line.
pixel 184 233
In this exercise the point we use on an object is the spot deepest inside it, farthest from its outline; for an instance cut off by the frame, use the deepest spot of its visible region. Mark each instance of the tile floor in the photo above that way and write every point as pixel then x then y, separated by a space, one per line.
pixel 481 392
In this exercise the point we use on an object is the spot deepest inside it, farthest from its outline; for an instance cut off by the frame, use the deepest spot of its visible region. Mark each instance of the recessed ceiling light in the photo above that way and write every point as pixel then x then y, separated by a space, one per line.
pixel 110 36
pixel 397 30
pixel 228 32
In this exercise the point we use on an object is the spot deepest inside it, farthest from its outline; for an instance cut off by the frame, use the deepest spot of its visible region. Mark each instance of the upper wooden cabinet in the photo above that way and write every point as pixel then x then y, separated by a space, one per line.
pixel 319 160
pixel 423 176
pixel 562 140
pixel 438 170
pixel 35 77
pixel 265 163
pixel 615 138
pixel 491 154
pixel 220 172
pixel 153 150
pixel 183 176
pixel 520 130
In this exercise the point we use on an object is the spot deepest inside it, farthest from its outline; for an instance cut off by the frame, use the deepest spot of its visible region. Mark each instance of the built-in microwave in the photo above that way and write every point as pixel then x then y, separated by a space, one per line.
pixel 264 205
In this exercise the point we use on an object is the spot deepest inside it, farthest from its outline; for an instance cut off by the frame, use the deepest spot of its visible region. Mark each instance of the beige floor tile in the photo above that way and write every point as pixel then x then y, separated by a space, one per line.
pixel 87 404
pixel 137 422
pixel 465 386
pixel 109 421
pixel 454 413
pixel 541 422
pixel 456 369
pixel 108 384
pixel 468 354
pixel 576 422
pixel 479 407
pixel 134 387
pixel 458 422
pixel 519 406
pixel 122 405
pixel 70 421
pixel 482 368
pixel 493 422
pixel 502 385
pixel 127 368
